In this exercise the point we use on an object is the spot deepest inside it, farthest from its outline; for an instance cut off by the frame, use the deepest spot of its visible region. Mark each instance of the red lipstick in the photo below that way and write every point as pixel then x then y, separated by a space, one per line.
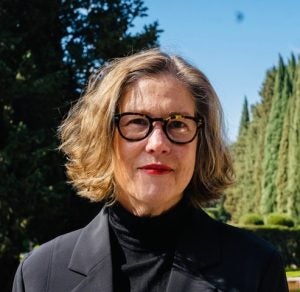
pixel 156 168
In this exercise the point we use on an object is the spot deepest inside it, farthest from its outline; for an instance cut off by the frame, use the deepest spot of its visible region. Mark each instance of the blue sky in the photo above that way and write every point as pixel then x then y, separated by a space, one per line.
pixel 233 54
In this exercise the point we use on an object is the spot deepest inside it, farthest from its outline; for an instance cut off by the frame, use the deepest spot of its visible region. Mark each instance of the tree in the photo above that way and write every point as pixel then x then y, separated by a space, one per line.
pixel 293 187
pixel 245 118
pixel 283 157
pixel 273 137
pixel 32 87
pixel 267 152
pixel 236 196
pixel 97 31
pixel 261 112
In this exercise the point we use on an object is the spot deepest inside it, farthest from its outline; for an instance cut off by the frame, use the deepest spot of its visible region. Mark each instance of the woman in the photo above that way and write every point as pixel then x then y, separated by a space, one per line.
pixel 146 139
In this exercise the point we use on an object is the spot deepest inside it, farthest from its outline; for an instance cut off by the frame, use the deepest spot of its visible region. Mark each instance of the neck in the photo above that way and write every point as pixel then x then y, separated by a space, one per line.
pixel 146 209
pixel 148 232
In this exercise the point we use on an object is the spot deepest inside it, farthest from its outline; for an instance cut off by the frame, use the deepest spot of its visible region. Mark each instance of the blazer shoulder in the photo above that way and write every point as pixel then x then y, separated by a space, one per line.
pixel 35 269
pixel 44 252
pixel 246 240
pixel 49 266
pixel 257 252
pixel 232 239
pixel 264 262
pixel 237 249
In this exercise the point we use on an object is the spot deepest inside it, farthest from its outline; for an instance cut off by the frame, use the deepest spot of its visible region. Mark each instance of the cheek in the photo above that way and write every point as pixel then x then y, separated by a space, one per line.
pixel 125 154
pixel 188 159
pixel 188 152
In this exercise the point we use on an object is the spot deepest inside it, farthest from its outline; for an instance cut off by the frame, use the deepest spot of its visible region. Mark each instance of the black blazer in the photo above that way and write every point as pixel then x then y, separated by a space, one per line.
pixel 211 256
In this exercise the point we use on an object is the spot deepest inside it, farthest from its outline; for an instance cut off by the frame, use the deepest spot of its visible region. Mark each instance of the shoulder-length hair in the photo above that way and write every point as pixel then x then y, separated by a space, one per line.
pixel 87 132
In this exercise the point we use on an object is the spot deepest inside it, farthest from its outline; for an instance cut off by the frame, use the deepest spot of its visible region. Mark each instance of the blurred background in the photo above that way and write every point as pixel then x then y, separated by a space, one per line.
pixel 249 49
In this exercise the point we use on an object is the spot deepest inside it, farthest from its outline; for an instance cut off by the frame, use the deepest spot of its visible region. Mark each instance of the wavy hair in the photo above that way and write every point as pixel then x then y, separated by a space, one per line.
pixel 87 132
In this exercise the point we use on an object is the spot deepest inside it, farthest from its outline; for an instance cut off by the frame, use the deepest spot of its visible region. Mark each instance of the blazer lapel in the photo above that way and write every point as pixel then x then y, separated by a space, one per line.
pixel 99 279
pixel 198 249
pixel 92 256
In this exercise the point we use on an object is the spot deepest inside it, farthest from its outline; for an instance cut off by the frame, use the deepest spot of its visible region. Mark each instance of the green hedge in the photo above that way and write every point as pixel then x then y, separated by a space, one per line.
pixel 286 240
pixel 279 219
pixel 251 219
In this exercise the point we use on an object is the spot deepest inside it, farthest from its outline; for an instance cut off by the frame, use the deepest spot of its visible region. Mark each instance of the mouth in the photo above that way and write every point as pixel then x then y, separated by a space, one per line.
pixel 156 169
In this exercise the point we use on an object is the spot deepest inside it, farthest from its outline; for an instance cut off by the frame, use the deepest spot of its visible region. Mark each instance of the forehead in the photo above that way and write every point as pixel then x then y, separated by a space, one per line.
pixel 161 94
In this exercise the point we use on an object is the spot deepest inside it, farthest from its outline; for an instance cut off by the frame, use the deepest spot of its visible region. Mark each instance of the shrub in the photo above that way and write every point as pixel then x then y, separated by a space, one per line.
pixel 279 219
pixel 251 219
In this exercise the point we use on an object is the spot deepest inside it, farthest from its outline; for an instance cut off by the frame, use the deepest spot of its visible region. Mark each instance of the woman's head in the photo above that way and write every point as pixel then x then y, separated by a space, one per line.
pixel 91 142
pixel 152 170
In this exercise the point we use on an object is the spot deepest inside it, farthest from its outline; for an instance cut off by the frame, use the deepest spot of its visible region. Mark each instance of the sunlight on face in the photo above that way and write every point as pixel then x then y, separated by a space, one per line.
pixel 151 174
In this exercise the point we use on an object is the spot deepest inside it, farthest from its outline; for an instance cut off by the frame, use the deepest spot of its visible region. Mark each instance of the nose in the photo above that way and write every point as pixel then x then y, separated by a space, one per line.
pixel 157 141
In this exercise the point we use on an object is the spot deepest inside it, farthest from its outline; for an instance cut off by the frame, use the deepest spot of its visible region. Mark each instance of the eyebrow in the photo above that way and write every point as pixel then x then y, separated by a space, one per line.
pixel 180 113
pixel 145 112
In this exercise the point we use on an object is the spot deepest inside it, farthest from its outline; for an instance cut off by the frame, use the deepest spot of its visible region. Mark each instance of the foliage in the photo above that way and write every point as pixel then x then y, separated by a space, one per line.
pixel 279 219
pixel 293 186
pixel 245 118
pixel 286 240
pixel 267 152
pixel 251 219
pixel 47 49
pixel 217 211
pixel 97 31
pixel 273 138
pixel 292 273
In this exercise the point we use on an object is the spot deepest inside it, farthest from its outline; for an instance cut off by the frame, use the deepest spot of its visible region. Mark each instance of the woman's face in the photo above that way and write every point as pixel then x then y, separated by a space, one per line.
pixel 151 174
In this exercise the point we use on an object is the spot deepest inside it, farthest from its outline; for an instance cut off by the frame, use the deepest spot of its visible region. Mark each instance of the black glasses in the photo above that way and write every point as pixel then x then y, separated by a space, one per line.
pixel 179 129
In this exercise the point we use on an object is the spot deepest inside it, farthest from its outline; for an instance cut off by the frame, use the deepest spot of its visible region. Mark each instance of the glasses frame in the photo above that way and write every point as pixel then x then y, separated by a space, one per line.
pixel 164 121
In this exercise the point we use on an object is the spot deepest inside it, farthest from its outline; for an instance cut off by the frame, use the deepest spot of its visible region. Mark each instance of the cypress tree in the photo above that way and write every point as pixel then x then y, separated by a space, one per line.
pixel 292 64
pixel 293 186
pixel 272 139
pixel 261 114
pixel 283 160
pixel 267 151
pixel 245 119
pixel 251 202
pixel 282 173
pixel 236 195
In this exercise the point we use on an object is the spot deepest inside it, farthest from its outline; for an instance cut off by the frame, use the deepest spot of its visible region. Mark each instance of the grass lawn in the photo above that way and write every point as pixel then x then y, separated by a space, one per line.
pixel 293 273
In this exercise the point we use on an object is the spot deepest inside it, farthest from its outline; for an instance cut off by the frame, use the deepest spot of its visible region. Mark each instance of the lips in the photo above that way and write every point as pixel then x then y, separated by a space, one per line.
pixel 156 168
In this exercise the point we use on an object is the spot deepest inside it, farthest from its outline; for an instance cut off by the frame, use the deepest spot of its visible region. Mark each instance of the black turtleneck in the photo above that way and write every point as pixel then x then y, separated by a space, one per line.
pixel 143 247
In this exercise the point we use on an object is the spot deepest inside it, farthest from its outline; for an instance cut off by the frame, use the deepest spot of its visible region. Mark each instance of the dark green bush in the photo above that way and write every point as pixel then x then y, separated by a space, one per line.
pixel 286 240
pixel 251 219
pixel 279 219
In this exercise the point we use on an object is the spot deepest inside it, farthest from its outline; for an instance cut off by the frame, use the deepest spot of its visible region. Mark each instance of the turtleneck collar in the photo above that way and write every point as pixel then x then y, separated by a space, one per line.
pixel 148 233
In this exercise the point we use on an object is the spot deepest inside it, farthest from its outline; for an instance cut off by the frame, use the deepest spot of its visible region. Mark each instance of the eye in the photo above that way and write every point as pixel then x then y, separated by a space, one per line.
pixel 138 122
pixel 134 122
pixel 178 125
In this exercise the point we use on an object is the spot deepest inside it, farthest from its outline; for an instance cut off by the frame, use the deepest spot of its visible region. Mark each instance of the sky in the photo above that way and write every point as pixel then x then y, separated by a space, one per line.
pixel 234 42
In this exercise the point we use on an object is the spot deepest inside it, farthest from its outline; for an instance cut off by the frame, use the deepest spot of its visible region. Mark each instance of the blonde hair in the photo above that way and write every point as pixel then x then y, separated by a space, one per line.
pixel 87 132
